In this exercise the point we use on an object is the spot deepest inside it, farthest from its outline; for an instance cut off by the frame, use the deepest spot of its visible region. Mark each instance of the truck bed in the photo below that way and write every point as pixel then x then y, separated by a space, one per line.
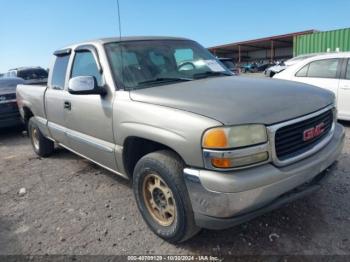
pixel 32 96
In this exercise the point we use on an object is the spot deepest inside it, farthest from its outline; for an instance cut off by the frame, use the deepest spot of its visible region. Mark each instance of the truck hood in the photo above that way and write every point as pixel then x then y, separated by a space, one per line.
pixel 239 100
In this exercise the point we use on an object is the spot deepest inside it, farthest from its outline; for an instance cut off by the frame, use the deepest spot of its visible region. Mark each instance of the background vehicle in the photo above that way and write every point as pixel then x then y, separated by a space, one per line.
pixel 328 71
pixel 228 62
pixel 30 74
pixel 282 65
pixel 255 67
pixel 274 69
pixel 165 113
pixel 263 66
pixel 249 68
pixel 9 114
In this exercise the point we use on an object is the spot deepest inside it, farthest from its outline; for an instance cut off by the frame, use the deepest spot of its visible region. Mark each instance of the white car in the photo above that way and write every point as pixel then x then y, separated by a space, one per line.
pixel 328 71
pixel 271 71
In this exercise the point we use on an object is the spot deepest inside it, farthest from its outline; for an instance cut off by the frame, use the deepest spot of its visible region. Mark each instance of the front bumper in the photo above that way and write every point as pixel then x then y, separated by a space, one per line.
pixel 224 199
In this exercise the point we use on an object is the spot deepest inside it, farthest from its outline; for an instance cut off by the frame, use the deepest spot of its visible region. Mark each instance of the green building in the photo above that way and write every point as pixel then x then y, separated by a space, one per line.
pixel 319 42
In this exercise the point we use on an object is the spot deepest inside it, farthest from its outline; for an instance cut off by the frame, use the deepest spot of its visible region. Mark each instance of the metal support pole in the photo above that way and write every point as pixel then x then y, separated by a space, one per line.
pixel 239 54
pixel 272 51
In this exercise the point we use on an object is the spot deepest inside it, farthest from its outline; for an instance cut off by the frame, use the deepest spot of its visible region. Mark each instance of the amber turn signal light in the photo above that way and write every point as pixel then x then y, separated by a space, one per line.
pixel 215 138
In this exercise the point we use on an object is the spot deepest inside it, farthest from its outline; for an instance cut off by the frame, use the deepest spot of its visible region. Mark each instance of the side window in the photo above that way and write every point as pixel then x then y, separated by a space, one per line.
pixel 59 72
pixel 326 68
pixel 183 55
pixel 348 70
pixel 85 65
pixel 303 71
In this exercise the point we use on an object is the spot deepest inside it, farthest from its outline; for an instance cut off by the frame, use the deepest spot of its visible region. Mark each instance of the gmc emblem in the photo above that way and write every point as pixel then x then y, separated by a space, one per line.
pixel 313 132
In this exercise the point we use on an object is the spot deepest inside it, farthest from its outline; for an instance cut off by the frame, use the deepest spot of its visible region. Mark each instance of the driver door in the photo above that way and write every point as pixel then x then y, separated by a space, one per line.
pixel 89 117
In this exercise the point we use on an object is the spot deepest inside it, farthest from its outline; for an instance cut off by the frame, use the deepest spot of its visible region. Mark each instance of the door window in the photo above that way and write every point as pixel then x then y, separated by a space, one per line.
pixel 348 70
pixel 85 65
pixel 326 68
pixel 59 72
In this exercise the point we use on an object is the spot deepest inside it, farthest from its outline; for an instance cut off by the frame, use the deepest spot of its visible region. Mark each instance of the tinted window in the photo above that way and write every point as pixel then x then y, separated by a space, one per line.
pixel 348 70
pixel 30 74
pixel 85 65
pixel 59 72
pixel 323 68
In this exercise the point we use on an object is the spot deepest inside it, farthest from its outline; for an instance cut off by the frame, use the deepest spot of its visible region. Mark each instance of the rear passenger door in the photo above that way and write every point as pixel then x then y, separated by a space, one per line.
pixel 344 93
pixel 54 98
pixel 89 117
pixel 323 73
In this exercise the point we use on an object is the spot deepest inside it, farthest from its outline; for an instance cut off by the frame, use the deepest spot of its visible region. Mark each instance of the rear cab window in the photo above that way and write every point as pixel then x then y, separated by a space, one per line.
pixel 59 72
pixel 183 56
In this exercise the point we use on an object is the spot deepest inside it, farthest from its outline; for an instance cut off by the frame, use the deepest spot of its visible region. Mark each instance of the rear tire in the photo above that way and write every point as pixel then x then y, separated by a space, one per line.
pixel 162 196
pixel 42 146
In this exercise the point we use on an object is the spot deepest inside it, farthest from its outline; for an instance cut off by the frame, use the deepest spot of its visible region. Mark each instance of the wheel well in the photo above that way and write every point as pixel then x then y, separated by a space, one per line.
pixel 27 115
pixel 135 148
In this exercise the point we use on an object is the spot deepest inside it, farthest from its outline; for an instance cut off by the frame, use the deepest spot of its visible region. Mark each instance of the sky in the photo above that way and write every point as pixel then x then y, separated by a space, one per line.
pixel 31 30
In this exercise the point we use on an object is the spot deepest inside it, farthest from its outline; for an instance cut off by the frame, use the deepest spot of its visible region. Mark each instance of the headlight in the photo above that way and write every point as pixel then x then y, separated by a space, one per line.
pixel 234 137
pixel 248 144
pixel 235 162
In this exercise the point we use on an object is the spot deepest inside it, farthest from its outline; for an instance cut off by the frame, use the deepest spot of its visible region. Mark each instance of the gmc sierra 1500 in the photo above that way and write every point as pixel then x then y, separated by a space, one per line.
pixel 204 148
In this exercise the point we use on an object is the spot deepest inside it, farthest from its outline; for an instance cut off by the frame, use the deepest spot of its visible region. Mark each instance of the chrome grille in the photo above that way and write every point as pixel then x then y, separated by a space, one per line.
pixel 289 140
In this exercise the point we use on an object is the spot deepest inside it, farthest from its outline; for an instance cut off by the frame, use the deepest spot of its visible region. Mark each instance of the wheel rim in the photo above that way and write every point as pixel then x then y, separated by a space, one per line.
pixel 35 138
pixel 159 199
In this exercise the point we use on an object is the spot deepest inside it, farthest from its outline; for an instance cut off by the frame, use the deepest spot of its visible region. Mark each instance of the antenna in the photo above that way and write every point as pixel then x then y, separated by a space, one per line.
pixel 119 23
pixel 120 42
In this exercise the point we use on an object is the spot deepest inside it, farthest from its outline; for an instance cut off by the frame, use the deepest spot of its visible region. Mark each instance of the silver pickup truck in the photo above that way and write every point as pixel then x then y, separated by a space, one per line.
pixel 203 148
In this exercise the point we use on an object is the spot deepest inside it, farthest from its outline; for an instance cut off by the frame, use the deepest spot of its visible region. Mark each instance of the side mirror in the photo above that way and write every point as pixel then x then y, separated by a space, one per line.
pixel 85 85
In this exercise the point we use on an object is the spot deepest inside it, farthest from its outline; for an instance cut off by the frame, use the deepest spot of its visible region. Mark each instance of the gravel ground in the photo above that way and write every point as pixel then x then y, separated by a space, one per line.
pixel 74 207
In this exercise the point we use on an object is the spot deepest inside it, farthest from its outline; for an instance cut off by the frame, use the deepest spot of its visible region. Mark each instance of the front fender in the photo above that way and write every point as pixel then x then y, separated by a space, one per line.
pixel 179 130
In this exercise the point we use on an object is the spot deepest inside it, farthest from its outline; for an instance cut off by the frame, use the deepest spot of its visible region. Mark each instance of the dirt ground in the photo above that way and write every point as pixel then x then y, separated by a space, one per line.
pixel 71 206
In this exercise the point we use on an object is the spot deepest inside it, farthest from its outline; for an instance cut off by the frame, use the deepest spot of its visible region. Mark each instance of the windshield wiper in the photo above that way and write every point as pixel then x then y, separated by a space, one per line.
pixel 164 80
pixel 210 73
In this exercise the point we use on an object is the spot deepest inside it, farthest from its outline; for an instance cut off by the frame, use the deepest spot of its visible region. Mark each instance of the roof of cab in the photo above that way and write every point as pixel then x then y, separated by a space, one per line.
pixel 138 38
pixel 120 39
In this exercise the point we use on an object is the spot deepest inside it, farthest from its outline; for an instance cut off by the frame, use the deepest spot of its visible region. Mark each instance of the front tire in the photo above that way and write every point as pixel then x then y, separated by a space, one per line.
pixel 162 196
pixel 42 146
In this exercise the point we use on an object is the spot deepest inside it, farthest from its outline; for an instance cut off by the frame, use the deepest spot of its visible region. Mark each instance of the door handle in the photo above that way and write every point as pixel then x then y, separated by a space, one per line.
pixel 345 87
pixel 67 105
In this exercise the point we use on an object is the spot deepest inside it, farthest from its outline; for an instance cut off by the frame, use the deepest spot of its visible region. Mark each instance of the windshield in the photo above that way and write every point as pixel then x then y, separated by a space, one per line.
pixel 296 59
pixel 140 64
